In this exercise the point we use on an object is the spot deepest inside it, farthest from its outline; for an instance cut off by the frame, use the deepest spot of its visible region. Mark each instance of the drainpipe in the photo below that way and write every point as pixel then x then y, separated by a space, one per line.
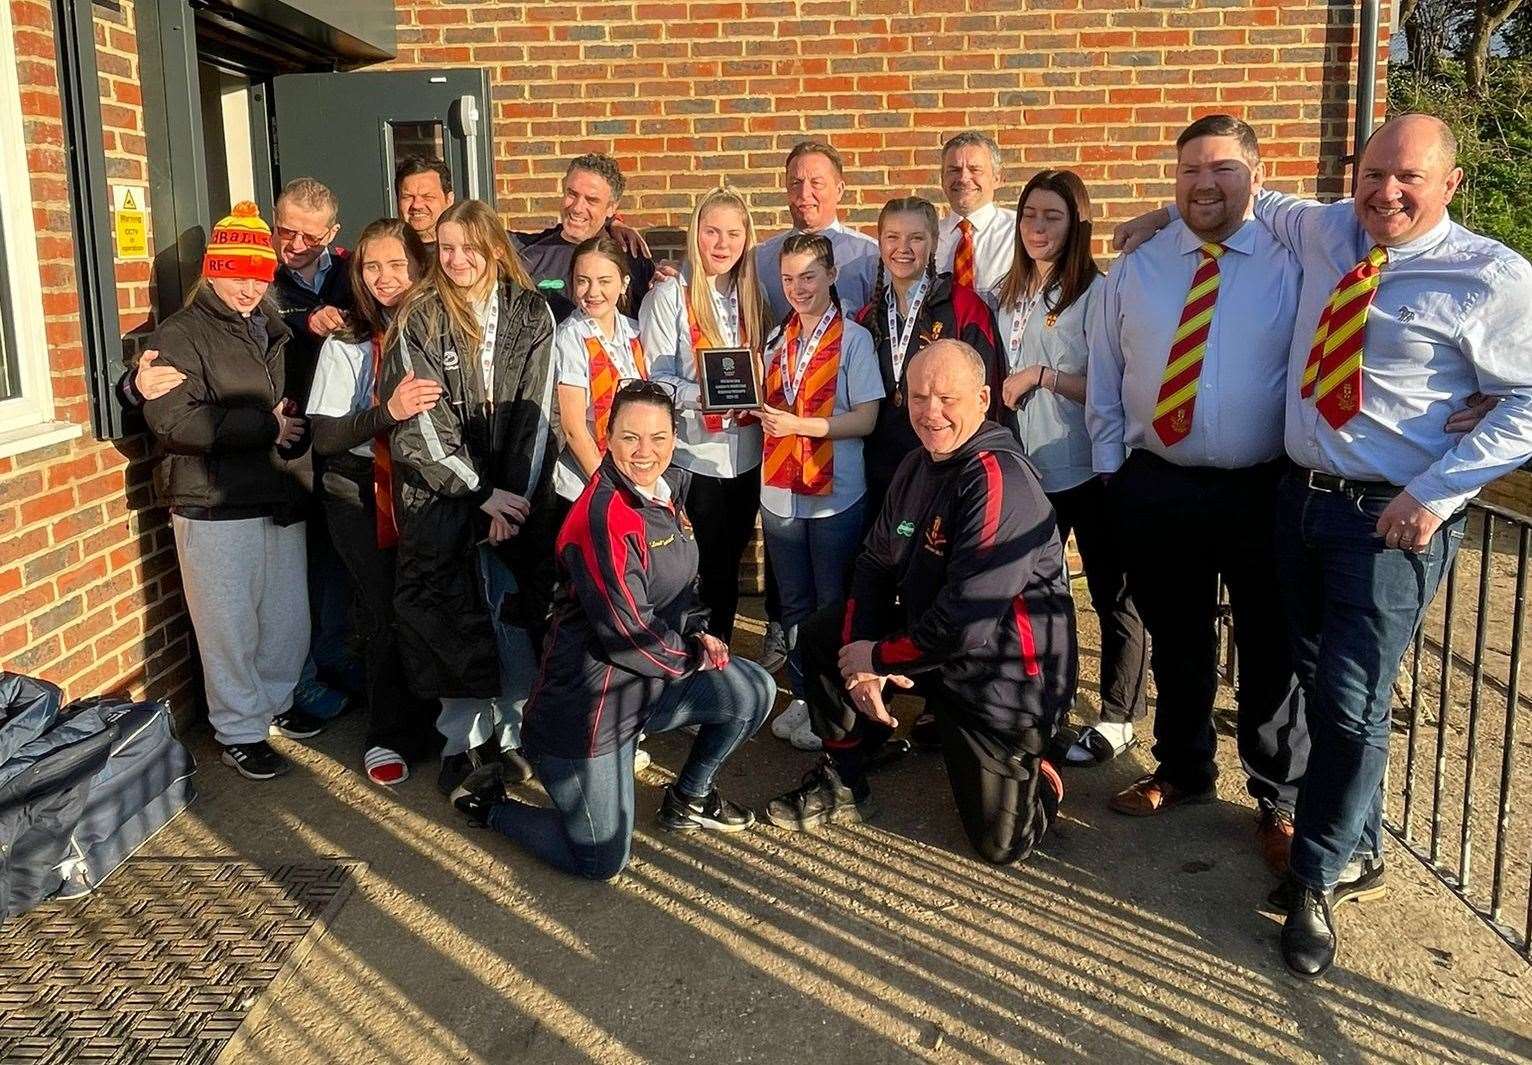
pixel 1366 76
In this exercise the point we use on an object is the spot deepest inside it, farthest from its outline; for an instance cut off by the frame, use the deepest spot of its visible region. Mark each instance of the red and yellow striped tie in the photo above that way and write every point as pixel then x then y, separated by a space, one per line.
pixel 1183 366
pixel 1333 372
pixel 962 255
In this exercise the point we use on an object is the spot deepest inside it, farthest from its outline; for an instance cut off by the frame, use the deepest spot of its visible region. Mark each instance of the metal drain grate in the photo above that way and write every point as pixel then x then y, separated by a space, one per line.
pixel 163 963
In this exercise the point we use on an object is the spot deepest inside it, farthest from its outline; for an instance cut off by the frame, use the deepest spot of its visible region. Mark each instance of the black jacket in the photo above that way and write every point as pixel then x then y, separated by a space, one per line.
pixel 549 258
pixel 963 573
pixel 948 312
pixel 216 428
pixel 626 619
pixel 296 301
pixel 446 463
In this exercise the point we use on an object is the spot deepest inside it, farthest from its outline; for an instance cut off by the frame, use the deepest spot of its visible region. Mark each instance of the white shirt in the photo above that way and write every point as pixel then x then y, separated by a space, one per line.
pixel 852 283
pixel 1052 427
pixel 994 246
pixel 571 361
pixel 343 383
pixel 857 380
pixel 1237 417
pixel 663 329
pixel 1452 315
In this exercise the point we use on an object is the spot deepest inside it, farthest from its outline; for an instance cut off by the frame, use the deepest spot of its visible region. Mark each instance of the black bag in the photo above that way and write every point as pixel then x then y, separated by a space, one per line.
pixel 80 788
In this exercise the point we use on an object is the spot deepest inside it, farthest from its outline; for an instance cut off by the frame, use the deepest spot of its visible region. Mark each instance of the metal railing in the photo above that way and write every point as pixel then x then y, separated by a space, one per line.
pixel 1466 785
pixel 1448 813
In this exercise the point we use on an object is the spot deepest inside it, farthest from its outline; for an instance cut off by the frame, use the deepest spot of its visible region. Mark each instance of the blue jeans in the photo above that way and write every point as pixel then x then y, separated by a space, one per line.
pixel 589 829
pixel 1353 605
pixel 469 722
pixel 811 562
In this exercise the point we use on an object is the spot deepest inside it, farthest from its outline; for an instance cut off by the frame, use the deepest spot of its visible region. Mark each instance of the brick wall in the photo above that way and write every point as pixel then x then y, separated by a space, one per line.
pixel 684 93
pixel 89 593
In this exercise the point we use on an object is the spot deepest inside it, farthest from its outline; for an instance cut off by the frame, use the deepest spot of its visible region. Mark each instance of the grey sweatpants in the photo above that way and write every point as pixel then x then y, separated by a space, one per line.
pixel 246 590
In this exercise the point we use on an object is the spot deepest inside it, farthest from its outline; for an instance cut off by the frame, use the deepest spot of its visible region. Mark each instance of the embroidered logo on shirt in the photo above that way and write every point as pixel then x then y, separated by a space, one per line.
pixel 663 543
pixel 555 284
pixel 905 528
pixel 1406 315
pixel 936 540
pixel 449 360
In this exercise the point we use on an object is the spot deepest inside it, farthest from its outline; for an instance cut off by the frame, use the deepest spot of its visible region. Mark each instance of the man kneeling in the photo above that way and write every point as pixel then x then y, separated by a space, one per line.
pixel 960 593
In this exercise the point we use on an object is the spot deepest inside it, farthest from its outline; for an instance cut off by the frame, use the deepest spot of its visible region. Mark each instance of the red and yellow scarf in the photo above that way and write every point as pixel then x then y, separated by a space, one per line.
pixel 804 465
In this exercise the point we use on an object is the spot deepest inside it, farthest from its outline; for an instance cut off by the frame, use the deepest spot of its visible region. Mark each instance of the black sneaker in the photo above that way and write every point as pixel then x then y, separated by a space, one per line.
pixel 515 767
pixel 774 648
pixel 479 793
pixel 1362 880
pixel 820 798
pixel 296 725
pixel 456 767
pixel 680 814
pixel 255 761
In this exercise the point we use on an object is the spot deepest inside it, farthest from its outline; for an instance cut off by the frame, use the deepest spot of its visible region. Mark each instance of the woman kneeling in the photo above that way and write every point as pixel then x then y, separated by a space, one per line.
pixel 628 653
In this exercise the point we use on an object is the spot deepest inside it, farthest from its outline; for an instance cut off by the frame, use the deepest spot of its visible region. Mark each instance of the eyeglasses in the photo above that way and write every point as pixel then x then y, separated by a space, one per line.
pixel 642 386
pixel 294 235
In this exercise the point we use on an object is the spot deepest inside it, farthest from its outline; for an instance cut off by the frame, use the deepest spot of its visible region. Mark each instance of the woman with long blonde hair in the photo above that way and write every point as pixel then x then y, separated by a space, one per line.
pixel 716 302
pixel 473 488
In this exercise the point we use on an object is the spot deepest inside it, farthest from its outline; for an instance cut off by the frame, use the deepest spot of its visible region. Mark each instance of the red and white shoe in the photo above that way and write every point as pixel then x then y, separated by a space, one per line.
pixel 384 766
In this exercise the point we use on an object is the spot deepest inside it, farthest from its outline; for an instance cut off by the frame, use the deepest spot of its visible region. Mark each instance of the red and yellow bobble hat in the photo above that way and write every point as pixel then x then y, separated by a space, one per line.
pixel 241 246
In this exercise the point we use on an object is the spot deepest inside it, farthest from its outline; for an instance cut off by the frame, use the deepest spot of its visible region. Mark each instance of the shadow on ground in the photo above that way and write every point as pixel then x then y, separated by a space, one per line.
pixel 1123 940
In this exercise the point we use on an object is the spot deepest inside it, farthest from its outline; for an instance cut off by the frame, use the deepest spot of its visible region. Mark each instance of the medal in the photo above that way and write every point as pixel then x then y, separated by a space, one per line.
pixel 899 342
pixel 797 360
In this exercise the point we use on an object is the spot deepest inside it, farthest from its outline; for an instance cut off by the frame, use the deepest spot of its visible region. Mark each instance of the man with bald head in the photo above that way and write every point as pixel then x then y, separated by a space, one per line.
pixel 1403 316
pixel 960 592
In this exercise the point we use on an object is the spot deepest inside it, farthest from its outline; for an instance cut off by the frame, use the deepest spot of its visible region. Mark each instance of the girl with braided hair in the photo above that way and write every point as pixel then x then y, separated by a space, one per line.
pixel 911 306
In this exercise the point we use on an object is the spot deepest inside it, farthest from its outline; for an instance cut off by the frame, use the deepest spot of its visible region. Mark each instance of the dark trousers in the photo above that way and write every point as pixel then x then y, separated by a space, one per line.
pixel 723 512
pixel 331 597
pixel 399 720
pixel 1181 528
pixel 995 783
pixel 1353 605
pixel 1124 651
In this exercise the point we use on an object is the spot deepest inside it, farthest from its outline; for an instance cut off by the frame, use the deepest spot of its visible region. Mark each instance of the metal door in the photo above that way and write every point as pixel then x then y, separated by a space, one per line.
pixel 350 130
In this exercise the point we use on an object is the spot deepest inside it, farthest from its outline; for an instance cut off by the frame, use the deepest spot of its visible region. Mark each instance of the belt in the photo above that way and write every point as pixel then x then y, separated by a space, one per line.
pixel 1328 482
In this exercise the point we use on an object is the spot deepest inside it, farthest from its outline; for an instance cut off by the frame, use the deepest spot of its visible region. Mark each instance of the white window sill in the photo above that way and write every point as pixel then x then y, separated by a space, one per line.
pixel 33 437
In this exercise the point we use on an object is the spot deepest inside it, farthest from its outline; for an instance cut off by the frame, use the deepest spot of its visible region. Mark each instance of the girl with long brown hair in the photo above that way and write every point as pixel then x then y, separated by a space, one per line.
pixel 351 420
pixel 715 303
pixel 473 488
pixel 1045 304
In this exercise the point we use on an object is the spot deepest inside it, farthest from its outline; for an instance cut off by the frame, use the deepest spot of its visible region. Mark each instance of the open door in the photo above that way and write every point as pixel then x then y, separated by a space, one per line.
pixel 350 130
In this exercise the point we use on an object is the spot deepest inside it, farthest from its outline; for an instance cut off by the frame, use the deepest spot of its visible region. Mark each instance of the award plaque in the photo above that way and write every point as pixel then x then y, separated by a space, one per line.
pixel 728 379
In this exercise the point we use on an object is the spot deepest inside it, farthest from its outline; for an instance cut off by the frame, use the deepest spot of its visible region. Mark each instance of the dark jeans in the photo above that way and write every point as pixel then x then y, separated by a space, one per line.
pixel 589 829
pixel 722 512
pixel 330 595
pixel 811 560
pixel 1181 528
pixel 399 721
pixel 1124 652
pixel 995 782
pixel 1353 605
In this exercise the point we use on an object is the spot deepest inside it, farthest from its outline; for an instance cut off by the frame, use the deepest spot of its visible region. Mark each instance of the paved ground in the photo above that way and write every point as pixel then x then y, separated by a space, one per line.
pixel 1124 940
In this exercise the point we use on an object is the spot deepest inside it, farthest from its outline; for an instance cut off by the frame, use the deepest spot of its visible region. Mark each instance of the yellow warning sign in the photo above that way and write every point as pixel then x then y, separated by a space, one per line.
pixel 130 221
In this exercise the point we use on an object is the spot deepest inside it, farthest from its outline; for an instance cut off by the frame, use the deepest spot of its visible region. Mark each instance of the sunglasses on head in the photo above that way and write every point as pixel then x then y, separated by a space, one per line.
pixel 642 386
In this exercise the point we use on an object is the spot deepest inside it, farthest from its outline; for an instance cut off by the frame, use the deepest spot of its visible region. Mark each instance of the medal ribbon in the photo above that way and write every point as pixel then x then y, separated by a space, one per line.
pixel 899 342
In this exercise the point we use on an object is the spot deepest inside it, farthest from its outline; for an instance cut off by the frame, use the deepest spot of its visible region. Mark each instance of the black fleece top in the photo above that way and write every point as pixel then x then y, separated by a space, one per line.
pixel 963 574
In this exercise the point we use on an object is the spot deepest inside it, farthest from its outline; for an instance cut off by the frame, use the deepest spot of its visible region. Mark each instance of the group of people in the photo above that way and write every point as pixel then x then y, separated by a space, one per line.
pixel 1295 400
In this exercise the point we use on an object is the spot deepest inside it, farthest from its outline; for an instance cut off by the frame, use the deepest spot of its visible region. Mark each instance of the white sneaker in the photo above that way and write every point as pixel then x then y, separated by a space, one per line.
pixel 641 760
pixel 1101 742
pixel 789 721
pixel 805 739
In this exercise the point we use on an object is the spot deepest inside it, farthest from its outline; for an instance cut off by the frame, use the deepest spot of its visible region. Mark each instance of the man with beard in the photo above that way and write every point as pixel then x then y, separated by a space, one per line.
pixel 1184 402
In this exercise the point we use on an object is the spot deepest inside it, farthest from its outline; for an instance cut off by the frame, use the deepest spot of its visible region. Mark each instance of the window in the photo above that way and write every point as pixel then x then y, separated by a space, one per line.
pixel 26 398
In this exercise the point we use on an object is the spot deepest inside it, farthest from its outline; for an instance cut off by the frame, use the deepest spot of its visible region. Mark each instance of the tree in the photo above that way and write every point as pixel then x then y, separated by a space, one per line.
pixel 1483 23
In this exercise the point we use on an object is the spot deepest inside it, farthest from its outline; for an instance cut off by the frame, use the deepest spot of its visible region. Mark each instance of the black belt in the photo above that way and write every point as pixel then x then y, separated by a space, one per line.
pixel 1315 481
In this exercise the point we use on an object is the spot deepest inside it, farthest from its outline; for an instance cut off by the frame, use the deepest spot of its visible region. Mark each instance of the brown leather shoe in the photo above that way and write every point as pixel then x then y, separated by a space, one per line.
pixel 1274 835
pixel 1152 794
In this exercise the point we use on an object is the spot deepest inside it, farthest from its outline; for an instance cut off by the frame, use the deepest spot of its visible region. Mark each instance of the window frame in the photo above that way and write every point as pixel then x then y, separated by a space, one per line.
pixel 27 419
